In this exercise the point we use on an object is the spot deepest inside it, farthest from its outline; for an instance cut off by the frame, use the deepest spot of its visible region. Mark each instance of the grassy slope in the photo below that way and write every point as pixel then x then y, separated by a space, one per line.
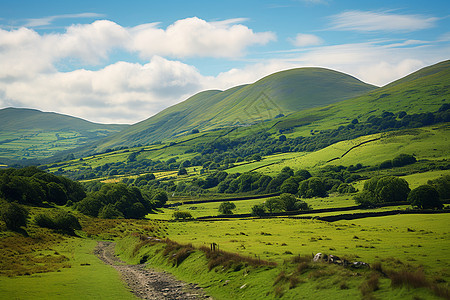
pixel 283 92
pixel 93 281
pixel 423 91
pixel 397 242
pixel 29 133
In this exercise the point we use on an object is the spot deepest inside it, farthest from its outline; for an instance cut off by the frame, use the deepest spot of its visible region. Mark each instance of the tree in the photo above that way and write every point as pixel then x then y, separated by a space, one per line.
pixel 273 204
pixel 312 187
pixel 403 160
pixel 183 215
pixel 226 208
pixel 13 215
pixel 109 212
pixel 288 202
pixel 182 171
pixel 442 186
pixel 290 186
pixel 383 189
pixel 258 210
pixel 425 197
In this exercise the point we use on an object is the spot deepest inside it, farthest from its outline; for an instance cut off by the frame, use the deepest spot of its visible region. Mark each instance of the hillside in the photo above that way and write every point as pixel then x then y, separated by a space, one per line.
pixel 280 93
pixel 420 92
pixel 33 134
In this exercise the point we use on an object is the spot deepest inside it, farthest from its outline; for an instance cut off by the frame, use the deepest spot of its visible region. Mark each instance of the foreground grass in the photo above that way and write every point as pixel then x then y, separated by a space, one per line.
pixel 85 277
pixel 225 275
pixel 419 239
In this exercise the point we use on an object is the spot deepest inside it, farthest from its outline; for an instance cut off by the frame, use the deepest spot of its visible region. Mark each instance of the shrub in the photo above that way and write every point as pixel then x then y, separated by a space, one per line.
pixel 258 210
pixel 62 221
pixel 109 212
pixel 425 196
pixel 403 160
pixel 345 188
pixel 442 186
pixel 226 208
pixel 182 171
pixel 13 215
pixel 312 187
pixel 382 190
pixel 183 215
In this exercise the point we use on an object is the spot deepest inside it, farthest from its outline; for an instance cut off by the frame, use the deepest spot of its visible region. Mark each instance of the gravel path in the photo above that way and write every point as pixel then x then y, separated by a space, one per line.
pixel 147 283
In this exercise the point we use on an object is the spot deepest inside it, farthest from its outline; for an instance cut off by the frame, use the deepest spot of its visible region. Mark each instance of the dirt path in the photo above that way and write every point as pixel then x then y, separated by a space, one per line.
pixel 147 283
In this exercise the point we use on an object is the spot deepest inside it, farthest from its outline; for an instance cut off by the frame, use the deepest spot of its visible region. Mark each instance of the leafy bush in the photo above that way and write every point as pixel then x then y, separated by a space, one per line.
pixel 425 196
pixel 13 215
pixel 109 212
pixel 403 160
pixel 226 208
pixel 345 188
pixel 312 187
pixel 382 190
pixel 442 186
pixel 61 220
pixel 258 210
pixel 183 215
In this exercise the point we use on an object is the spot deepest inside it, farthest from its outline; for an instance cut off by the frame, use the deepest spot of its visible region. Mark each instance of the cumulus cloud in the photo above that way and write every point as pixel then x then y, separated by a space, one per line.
pixel 305 40
pixel 380 21
pixel 125 92
pixel 196 37
pixel 131 90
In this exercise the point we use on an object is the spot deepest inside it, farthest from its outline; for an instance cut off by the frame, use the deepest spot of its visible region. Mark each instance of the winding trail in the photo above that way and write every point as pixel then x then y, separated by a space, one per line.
pixel 147 283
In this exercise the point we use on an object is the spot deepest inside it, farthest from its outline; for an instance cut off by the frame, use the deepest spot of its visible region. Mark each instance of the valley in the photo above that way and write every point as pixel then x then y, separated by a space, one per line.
pixel 235 191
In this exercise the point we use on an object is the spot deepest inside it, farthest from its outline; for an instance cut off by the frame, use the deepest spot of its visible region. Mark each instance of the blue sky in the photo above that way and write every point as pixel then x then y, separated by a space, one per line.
pixel 123 61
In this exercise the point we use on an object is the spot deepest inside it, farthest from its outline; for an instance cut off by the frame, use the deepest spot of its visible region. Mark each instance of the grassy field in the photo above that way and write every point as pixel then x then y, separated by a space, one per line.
pixel 412 243
pixel 87 278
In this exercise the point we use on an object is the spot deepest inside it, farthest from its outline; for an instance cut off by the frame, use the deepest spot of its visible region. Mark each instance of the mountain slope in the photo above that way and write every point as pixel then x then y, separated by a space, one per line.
pixel 33 134
pixel 280 93
pixel 422 91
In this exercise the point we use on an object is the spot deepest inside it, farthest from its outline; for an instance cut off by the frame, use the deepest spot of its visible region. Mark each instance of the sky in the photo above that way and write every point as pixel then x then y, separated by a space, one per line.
pixel 124 61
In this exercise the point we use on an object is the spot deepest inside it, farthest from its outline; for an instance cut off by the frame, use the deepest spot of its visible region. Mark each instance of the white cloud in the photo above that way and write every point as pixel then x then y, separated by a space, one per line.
pixel 48 20
pixel 305 40
pixel 133 90
pixel 196 37
pixel 380 21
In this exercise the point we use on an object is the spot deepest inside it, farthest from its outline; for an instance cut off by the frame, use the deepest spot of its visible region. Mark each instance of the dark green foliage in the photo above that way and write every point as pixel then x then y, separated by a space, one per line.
pixel 345 188
pixel 273 204
pixel 383 189
pixel 109 211
pixel 424 197
pixel 304 174
pixel 33 186
pixel 182 171
pixel 386 164
pixel 258 210
pixel 403 160
pixel 289 202
pixel 14 215
pixel 90 205
pixel 226 208
pixel 61 220
pixel 119 200
pixel 312 187
pixel 442 186
pixel 183 215
pixel 290 186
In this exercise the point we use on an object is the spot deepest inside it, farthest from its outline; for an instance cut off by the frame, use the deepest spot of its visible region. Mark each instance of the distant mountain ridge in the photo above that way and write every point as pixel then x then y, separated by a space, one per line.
pixel 27 118
pixel 32 134
pixel 278 94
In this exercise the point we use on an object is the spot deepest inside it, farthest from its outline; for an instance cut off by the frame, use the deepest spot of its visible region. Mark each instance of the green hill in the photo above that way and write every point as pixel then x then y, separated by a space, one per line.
pixel 422 91
pixel 275 95
pixel 33 134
